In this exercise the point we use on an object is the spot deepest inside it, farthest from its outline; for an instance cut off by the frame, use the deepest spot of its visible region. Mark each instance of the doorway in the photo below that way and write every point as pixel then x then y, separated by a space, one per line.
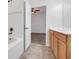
pixel 38 25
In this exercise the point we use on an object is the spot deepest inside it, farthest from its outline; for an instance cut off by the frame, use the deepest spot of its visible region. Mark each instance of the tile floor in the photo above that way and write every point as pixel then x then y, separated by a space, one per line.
pixel 37 51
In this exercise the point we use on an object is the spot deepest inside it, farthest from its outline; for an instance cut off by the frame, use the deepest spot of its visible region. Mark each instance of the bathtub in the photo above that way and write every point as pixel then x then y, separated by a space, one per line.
pixel 15 49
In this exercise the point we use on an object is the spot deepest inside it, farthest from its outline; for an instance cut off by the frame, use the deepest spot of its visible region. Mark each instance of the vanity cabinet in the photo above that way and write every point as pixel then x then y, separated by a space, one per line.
pixel 55 47
pixel 61 45
pixel 51 39
pixel 61 50
pixel 69 47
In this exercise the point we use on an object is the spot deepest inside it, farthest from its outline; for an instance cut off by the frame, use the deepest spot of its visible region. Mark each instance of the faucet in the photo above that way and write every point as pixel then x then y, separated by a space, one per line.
pixel 11 31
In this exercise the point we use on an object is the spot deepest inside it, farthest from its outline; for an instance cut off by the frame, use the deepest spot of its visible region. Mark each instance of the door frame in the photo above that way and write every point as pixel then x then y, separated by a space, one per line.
pixel 45 23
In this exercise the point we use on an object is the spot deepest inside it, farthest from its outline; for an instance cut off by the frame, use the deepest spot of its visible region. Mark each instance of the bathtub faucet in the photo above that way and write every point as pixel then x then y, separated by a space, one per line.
pixel 11 31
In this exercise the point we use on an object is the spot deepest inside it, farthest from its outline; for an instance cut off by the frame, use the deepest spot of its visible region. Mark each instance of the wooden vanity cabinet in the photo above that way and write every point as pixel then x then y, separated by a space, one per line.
pixel 61 45
pixel 68 47
pixel 51 39
pixel 55 47
pixel 61 50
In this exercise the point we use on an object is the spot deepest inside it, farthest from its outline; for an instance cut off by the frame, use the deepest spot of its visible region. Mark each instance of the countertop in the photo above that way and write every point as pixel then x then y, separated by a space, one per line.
pixel 61 29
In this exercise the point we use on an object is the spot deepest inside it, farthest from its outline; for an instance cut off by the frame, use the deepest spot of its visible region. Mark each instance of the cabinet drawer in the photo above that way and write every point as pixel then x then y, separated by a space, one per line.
pixel 60 36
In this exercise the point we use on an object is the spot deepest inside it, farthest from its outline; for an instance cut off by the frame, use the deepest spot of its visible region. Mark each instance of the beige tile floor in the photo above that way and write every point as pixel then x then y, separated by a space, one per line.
pixel 37 51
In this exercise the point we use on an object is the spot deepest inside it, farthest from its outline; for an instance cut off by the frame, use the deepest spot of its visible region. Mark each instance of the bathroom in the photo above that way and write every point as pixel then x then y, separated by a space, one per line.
pixel 20 26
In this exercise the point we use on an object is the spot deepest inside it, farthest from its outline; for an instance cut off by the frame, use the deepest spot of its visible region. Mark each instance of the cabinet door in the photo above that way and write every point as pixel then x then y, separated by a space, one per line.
pixel 69 47
pixel 51 39
pixel 55 45
pixel 61 50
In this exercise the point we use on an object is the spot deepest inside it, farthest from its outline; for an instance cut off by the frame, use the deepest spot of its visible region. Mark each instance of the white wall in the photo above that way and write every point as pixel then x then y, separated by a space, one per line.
pixel 67 13
pixel 54 15
pixel 38 21
pixel 54 12
pixel 38 3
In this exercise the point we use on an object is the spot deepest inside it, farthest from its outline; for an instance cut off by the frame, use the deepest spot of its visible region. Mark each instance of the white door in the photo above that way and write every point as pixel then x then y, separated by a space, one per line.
pixel 27 25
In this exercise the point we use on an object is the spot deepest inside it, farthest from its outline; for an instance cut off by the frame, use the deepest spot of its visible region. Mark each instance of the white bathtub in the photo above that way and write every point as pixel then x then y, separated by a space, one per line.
pixel 15 49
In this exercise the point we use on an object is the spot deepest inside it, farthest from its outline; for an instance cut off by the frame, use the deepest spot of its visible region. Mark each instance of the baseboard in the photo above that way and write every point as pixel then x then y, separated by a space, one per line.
pixel 38 33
